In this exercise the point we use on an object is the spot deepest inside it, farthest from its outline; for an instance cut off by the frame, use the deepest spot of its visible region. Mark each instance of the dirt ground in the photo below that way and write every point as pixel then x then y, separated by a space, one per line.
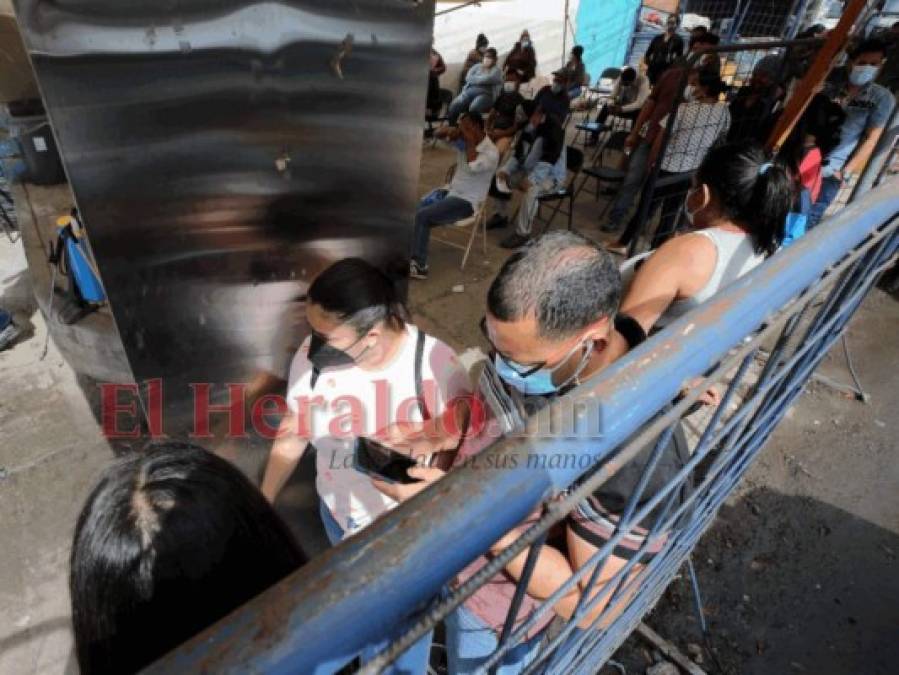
pixel 799 572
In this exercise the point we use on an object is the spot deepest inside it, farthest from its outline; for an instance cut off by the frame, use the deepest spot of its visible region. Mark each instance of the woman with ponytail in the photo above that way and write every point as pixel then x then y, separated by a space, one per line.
pixel 737 207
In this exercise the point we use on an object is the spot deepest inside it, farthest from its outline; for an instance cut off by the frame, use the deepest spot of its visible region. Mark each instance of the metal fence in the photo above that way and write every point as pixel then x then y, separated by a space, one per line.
pixel 749 18
pixel 759 341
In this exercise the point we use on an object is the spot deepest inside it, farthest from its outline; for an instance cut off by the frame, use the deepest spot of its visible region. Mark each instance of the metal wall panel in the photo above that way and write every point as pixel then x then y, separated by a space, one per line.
pixel 222 152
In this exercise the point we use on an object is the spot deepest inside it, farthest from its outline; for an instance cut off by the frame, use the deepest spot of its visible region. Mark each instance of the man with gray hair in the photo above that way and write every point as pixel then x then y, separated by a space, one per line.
pixel 552 321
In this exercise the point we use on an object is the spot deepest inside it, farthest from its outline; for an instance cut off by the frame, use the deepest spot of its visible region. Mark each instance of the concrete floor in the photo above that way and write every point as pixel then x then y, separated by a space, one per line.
pixel 51 453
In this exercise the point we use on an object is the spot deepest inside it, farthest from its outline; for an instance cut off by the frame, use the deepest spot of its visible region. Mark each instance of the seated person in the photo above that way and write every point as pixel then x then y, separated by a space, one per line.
pixel 475 165
pixel 553 98
pixel 639 143
pixel 508 115
pixel 523 325
pixel 576 72
pixel 476 55
pixel 737 207
pixel 482 85
pixel 437 68
pixel 701 122
pixel 169 542
pixel 522 58
pixel 628 95
pixel 868 107
pixel 751 109
pixel 537 166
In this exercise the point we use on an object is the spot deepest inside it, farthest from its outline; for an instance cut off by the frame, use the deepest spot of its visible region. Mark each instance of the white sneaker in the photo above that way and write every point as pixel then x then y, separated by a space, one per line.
pixel 503 186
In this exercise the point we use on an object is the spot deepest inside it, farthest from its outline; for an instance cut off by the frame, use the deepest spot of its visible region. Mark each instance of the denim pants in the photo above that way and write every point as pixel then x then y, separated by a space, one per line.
pixel 5 319
pixel 447 210
pixel 414 661
pixel 469 642
pixel 475 99
pixel 630 186
pixel 830 188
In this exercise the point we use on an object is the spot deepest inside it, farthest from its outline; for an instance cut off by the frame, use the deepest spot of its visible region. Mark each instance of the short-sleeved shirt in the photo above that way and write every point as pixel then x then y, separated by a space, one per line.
pixel 556 105
pixel 505 414
pixel 472 179
pixel 697 127
pixel 870 108
pixel 507 106
pixel 341 404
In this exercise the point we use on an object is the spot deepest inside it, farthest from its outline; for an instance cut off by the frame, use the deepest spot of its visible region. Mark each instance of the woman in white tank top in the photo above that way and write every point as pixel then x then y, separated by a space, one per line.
pixel 737 206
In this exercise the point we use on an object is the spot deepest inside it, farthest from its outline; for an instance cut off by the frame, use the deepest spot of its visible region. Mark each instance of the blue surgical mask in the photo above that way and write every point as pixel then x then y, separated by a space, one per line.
pixel 540 382
pixel 862 75
pixel 525 43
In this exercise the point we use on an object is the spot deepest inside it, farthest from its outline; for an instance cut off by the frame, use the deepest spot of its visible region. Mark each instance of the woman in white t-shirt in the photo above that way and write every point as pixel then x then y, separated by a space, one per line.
pixel 363 370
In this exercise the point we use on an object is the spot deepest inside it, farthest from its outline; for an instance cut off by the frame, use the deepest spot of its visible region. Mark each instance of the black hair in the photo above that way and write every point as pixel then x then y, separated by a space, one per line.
pixel 751 190
pixel 699 30
pixel 565 280
pixel 705 39
pixel 481 40
pixel 578 51
pixel 168 542
pixel 869 46
pixel 811 32
pixel 491 50
pixel 711 81
pixel 628 75
pixel 476 118
pixel 360 294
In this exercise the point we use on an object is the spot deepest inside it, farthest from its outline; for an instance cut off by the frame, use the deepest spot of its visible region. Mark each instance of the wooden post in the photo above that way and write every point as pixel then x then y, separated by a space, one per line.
pixel 815 75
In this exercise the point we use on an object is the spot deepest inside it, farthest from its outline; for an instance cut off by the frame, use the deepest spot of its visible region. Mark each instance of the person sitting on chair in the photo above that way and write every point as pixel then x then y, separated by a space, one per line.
pixel 554 98
pixel 474 56
pixel 522 58
pixel 438 68
pixel 482 84
pixel 628 95
pixel 476 163
pixel 537 166
pixel 576 72
pixel 507 116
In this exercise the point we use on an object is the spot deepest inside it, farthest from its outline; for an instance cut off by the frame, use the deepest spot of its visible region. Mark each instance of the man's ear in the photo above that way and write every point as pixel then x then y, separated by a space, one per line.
pixel 600 329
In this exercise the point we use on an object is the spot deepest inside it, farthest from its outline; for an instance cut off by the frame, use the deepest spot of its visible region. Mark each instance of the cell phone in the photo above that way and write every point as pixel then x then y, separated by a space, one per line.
pixel 374 459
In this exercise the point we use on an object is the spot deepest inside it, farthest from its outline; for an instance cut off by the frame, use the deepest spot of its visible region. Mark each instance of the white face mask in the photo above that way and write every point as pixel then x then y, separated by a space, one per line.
pixel 525 43
pixel 488 62
pixel 689 92
pixel 862 75
pixel 691 215
pixel 509 87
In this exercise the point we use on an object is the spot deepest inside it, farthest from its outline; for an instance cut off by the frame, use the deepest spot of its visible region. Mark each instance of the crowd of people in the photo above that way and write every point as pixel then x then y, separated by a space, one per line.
pixel 177 538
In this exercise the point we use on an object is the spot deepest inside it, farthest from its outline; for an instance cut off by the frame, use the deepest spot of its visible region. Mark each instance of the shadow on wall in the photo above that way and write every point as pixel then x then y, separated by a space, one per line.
pixel 789 584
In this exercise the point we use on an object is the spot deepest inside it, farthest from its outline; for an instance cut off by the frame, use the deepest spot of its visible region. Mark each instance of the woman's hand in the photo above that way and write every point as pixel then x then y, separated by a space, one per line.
pixel 400 492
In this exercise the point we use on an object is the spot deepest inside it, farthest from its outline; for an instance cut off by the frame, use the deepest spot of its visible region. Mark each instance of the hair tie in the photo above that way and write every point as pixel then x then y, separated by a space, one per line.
pixel 763 169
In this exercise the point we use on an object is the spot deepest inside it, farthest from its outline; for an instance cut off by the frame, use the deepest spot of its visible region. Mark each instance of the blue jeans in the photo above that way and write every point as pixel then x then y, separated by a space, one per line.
pixel 830 188
pixel 469 642
pixel 414 661
pixel 447 210
pixel 475 100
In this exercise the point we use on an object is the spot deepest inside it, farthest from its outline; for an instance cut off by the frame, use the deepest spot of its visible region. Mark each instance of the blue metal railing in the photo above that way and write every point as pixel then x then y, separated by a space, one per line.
pixel 387 580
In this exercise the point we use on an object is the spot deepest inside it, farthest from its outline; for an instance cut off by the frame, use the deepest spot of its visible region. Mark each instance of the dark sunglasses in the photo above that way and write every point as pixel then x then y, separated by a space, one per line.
pixel 529 369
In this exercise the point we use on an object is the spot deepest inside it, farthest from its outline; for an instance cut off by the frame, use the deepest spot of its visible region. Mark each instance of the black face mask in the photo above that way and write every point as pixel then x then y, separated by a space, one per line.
pixel 322 355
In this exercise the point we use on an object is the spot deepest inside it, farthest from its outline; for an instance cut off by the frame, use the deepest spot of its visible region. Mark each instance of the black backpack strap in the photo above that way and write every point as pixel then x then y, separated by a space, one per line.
pixel 419 358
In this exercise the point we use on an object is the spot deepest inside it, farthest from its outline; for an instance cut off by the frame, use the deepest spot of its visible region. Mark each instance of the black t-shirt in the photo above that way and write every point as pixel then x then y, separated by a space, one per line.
pixel 506 106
